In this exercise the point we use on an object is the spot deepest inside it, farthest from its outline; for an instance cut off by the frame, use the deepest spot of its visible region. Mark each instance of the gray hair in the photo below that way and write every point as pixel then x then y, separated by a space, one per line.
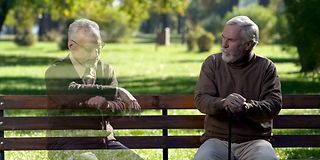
pixel 85 25
pixel 249 30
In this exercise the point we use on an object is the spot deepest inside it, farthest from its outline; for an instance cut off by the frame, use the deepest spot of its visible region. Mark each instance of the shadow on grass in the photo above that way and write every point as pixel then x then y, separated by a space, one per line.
pixel 155 86
pixel 199 61
pixel 11 60
pixel 21 86
pixel 284 60
pixel 299 87
pixel 144 86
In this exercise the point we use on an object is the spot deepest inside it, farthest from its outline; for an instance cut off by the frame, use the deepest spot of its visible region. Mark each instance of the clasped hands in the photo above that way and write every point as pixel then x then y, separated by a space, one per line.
pixel 234 102
pixel 126 100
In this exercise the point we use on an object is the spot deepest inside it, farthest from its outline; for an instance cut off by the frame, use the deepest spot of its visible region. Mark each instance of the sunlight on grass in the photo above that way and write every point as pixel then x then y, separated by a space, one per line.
pixel 146 69
pixel 165 70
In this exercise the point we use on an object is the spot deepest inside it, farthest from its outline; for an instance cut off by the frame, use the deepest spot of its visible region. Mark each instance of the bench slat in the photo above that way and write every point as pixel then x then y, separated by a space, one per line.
pixel 155 102
pixel 296 140
pixel 140 122
pixel 139 142
pixel 93 122
pixel 297 121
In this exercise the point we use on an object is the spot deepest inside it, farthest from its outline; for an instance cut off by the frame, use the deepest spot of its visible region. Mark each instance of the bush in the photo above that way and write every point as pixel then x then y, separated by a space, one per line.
pixel 25 39
pixel 191 40
pixel 205 42
pixel 52 36
pixel 192 36
pixel 264 17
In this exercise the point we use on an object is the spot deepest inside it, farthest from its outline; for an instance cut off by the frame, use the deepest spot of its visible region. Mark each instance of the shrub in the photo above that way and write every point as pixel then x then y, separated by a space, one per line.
pixel 25 39
pixel 191 40
pixel 52 36
pixel 192 36
pixel 205 42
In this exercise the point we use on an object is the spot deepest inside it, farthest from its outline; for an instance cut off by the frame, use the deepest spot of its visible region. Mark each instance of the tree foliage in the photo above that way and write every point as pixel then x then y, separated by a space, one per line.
pixel 170 6
pixel 5 6
pixel 118 21
pixel 118 18
pixel 209 13
pixel 303 17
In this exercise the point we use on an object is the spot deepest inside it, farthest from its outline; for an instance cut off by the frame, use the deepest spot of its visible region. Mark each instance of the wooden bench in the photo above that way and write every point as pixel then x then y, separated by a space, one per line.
pixel 163 122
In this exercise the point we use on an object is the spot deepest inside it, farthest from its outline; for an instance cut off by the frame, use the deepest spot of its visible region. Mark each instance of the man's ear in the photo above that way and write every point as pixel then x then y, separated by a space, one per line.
pixel 70 45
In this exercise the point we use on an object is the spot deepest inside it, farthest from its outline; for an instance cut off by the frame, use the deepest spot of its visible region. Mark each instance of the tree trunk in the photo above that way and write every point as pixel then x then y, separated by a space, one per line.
pixel 6 5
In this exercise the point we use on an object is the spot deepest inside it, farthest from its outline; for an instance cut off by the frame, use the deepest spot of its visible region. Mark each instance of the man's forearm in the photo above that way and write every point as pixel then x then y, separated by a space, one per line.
pixel 208 104
pixel 262 111
pixel 109 92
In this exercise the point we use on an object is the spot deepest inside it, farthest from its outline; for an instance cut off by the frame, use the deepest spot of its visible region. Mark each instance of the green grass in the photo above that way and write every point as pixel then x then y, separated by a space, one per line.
pixel 162 70
pixel 144 68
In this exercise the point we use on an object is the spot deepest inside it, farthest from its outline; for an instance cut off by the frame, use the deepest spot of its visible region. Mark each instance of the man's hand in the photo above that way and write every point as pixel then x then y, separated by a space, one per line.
pixel 127 98
pixel 96 102
pixel 234 102
pixel 100 102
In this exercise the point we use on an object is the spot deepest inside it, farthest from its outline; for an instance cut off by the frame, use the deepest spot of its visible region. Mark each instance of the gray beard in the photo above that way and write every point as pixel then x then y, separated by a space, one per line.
pixel 231 58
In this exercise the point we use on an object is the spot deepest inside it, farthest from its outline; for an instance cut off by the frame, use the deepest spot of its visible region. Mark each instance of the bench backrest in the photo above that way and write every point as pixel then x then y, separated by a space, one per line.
pixel 163 121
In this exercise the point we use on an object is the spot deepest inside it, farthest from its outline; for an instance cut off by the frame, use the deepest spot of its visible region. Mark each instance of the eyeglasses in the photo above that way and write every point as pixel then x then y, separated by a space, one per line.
pixel 89 50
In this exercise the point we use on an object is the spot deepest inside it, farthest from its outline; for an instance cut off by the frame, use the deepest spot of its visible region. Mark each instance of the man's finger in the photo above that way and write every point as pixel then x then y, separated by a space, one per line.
pixel 138 107
pixel 240 97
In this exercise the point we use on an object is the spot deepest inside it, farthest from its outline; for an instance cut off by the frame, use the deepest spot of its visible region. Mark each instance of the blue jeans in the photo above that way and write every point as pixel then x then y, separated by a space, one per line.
pixel 215 149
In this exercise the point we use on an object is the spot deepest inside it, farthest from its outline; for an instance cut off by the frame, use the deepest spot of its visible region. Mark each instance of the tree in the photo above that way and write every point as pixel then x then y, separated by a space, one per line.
pixel 24 14
pixel 118 21
pixel 5 6
pixel 209 13
pixel 164 8
pixel 303 16
pixel 136 10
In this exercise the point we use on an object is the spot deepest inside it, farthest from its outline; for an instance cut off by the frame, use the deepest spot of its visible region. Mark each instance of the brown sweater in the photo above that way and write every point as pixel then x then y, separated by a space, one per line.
pixel 254 78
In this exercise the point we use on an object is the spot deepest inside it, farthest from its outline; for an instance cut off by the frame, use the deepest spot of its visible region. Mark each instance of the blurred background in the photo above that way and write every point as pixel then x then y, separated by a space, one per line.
pixel 157 46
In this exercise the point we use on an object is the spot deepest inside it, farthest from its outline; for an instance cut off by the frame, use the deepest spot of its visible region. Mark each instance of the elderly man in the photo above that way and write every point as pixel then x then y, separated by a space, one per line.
pixel 86 79
pixel 244 84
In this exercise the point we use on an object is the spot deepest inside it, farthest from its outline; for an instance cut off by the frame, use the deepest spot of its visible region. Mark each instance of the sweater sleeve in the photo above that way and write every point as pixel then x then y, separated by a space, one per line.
pixel 271 100
pixel 57 91
pixel 206 93
pixel 62 91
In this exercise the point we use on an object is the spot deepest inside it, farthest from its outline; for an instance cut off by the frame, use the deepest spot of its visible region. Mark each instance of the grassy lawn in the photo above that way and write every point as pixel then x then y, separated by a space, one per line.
pixel 146 69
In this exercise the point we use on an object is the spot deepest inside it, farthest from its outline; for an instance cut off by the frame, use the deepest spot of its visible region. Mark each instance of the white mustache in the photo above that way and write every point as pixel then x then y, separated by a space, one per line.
pixel 223 50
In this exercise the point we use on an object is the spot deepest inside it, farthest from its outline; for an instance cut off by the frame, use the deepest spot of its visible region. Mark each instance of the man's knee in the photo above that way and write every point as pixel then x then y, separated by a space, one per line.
pixel 263 150
pixel 204 155
pixel 211 149
pixel 265 153
pixel 265 156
